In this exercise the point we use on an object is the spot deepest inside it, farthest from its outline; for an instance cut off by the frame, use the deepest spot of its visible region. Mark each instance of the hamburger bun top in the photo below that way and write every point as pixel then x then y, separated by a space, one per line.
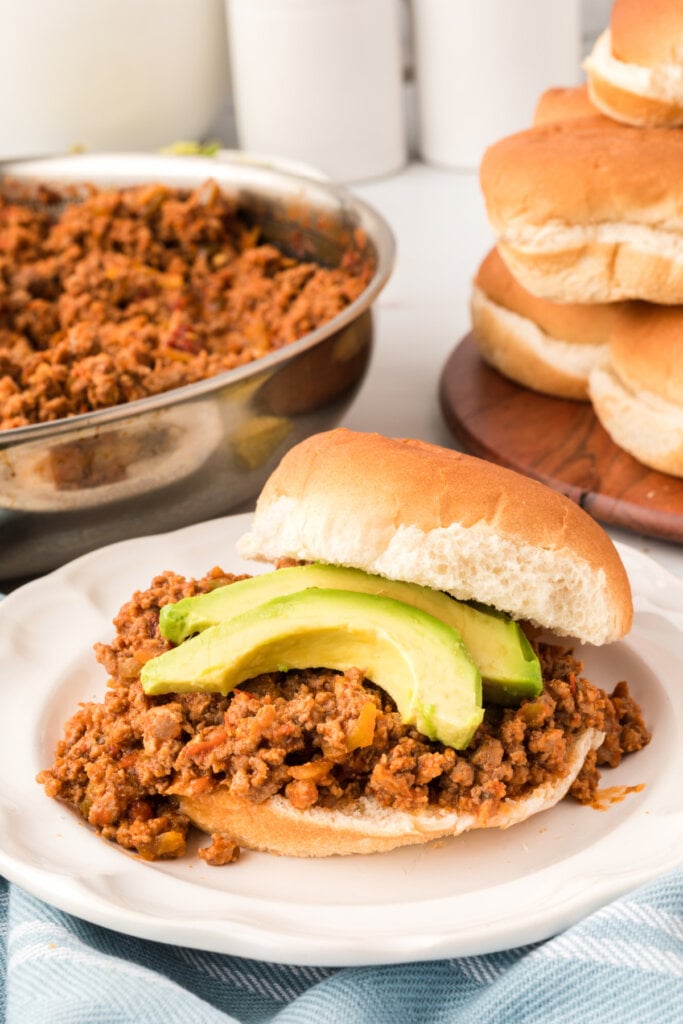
pixel 412 511
pixel 647 32
pixel 585 172
pixel 564 105
pixel 581 324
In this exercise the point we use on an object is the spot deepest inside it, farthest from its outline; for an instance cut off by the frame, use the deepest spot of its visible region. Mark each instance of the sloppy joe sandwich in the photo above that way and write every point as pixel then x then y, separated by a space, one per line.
pixel 635 70
pixel 382 686
pixel 637 391
pixel 589 211
pixel 543 345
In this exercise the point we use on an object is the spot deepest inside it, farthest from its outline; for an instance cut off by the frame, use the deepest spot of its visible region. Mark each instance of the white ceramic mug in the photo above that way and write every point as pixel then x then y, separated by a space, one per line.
pixel 109 74
pixel 481 65
pixel 320 81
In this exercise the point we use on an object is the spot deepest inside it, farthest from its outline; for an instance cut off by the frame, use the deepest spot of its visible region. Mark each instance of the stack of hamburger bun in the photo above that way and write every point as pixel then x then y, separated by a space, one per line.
pixel 583 296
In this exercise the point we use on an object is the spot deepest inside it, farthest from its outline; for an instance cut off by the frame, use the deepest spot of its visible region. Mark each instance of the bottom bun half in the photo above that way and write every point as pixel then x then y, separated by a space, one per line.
pixel 275 826
pixel 641 423
pixel 520 349
pixel 599 263
pixel 629 107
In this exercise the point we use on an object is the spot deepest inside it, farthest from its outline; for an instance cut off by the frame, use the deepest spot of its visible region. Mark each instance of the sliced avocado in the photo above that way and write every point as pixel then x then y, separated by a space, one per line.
pixel 509 666
pixel 500 650
pixel 417 659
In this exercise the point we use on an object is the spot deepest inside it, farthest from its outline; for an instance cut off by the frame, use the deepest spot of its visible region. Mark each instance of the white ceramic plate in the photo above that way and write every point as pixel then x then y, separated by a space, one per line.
pixel 478 893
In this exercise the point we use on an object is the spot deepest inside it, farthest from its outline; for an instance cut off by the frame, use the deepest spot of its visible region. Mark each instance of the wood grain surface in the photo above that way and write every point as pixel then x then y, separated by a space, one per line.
pixel 558 442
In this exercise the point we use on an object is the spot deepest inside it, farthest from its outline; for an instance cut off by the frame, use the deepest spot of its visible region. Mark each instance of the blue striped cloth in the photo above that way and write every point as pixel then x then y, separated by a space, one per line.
pixel 621 965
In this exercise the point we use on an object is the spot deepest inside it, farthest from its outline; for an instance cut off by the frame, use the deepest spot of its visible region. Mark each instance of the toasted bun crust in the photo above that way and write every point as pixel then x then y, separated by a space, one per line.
pixel 548 347
pixel 637 392
pixel 646 349
pixel 635 72
pixel 586 172
pixel 581 324
pixel 413 511
pixel 277 827
pixel 647 32
pixel 580 216
pixel 564 105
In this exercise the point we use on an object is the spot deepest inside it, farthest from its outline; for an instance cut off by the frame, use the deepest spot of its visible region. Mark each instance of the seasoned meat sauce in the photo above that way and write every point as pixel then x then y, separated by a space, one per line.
pixel 122 762
pixel 135 291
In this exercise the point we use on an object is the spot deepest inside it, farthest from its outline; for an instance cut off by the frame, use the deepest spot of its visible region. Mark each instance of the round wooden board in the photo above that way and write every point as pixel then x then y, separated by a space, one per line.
pixel 558 442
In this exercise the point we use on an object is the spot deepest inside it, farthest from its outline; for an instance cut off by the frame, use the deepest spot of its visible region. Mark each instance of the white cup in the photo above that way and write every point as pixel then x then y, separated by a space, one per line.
pixel 480 67
pixel 109 74
pixel 320 81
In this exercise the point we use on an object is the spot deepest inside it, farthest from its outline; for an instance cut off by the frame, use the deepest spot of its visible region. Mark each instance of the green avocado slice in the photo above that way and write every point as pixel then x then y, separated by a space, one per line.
pixel 507 663
pixel 418 660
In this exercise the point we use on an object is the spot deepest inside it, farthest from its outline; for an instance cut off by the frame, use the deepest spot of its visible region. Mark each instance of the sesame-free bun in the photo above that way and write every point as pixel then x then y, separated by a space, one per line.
pixel 545 346
pixel 562 104
pixel 365 826
pixel 589 211
pixel 635 70
pixel 412 511
pixel 647 32
pixel 637 393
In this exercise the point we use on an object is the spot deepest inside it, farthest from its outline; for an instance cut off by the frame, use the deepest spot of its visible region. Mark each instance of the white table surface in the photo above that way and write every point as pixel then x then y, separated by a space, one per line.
pixel 441 231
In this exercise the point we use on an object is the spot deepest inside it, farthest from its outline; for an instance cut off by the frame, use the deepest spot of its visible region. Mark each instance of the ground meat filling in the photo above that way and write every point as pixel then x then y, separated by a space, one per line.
pixel 132 292
pixel 319 738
